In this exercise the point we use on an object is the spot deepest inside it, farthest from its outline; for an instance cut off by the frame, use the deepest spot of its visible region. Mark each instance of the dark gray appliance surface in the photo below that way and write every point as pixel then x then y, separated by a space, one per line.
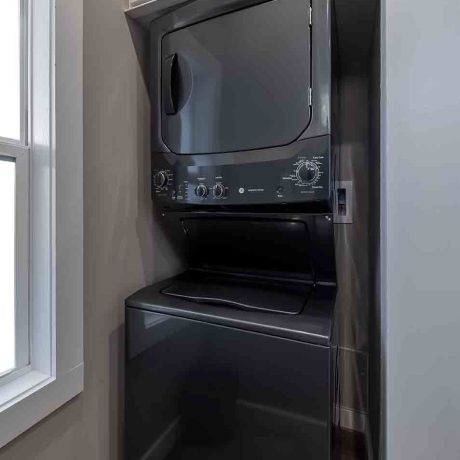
pixel 239 81
pixel 279 296
pixel 267 244
pixel 217 367
pixel 252 373
pixel 313 324
pixel 212 382
pixel 203 11
pixel 300 172
pixel 240 158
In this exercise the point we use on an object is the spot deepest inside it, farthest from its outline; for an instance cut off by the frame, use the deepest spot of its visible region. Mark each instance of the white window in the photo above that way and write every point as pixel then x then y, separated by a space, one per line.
pixel 41 210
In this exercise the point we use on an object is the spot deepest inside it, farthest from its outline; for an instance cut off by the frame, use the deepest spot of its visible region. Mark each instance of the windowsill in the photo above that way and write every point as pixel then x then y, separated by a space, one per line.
pixel 11 375
pixel 22 386
pixel 32 397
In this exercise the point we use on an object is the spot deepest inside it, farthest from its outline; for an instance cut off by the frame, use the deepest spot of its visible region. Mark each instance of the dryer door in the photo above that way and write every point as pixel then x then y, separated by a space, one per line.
pixel 239 81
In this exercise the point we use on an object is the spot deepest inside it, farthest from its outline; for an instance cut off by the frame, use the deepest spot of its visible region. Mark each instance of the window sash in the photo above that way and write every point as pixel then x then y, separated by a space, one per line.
pixel 21 157
pixel 24 94
pixel 19 151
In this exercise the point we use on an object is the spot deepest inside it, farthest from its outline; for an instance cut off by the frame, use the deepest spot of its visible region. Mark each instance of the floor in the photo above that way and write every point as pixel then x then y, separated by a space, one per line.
pixel 350 446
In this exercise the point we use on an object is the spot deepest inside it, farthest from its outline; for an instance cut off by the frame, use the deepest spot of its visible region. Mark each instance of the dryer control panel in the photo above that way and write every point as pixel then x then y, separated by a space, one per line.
pixel 304 176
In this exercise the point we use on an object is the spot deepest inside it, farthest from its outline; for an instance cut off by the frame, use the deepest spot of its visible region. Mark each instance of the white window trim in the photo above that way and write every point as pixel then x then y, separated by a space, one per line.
pixel 55 374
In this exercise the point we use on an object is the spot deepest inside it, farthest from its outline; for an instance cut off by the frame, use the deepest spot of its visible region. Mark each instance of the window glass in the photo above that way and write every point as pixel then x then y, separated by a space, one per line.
pixel 10 74
pixel 7 265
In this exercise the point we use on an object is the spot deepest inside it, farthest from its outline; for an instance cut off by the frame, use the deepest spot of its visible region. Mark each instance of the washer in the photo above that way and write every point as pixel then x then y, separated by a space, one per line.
pixel 236 364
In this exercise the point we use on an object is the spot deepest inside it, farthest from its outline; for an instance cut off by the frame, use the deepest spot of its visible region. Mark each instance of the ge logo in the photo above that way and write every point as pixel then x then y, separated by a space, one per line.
pixel 241 190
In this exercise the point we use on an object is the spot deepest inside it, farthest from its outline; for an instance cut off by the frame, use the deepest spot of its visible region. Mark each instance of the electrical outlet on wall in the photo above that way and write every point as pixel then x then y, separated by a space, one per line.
pixel 343 202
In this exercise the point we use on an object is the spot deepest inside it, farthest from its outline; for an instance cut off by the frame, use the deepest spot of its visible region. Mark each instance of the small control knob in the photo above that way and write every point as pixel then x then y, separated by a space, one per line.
pixel 218 191
pixel 201 191
pixel 307 172
pixel 160 179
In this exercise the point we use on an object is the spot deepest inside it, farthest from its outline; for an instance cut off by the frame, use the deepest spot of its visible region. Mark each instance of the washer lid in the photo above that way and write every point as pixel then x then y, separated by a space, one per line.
pixel 247 293
pixel 313 325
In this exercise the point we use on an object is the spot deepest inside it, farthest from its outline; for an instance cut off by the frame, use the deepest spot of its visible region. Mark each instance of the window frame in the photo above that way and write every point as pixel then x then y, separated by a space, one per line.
pixel 52 147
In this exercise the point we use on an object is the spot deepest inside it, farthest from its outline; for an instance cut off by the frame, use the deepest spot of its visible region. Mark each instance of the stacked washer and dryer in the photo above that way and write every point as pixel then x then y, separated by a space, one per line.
pixel 236 356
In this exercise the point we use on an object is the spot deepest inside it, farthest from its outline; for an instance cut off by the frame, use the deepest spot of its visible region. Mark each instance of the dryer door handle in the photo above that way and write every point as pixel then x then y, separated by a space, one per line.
pixel 168 91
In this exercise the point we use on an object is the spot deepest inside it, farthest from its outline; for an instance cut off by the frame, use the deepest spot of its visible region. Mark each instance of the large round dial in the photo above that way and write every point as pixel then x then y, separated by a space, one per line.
pixel 160 179
pixel 307 172
pixel 218 191
pixel 201 191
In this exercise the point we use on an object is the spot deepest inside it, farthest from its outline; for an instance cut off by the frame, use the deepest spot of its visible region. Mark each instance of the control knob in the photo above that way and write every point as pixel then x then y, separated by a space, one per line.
pixel 160 179
pixel 201 191
pixel 218 191
pixel 307 172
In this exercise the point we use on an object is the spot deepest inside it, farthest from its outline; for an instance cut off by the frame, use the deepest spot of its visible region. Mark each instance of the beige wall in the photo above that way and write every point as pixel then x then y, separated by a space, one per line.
pixel 119 235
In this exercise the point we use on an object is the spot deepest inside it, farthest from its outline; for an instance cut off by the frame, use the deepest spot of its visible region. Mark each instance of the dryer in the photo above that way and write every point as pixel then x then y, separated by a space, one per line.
pixel 242 96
